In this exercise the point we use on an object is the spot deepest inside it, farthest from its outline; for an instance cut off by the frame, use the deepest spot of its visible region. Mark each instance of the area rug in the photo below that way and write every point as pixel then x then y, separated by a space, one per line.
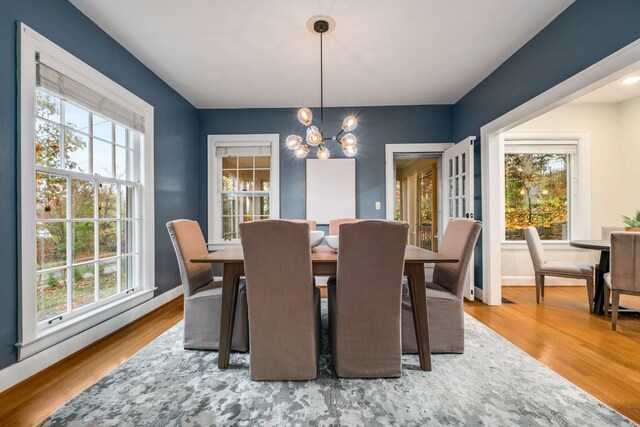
pixel 493 383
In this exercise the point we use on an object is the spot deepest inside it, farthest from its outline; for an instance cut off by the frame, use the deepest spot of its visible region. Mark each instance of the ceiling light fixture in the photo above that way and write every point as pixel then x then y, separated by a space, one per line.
pixel 314 136
pixel 631 80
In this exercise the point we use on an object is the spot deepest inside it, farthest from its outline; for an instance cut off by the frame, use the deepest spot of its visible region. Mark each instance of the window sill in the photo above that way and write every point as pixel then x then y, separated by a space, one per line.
pixel 521 245
pixel 81 323
pixel 222 245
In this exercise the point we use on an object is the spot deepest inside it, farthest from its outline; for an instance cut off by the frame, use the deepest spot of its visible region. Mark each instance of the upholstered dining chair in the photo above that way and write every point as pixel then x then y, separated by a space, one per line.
pixel 312 223
pixel 607 230
pixel 543 268
pixel 445 294
pixel 202 294
pixel 624 277
pixel 284 306
pixel 364 299
pixel 334 225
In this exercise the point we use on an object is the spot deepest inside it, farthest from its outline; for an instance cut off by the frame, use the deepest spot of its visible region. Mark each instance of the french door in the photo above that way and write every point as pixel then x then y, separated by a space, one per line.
pixel 457 177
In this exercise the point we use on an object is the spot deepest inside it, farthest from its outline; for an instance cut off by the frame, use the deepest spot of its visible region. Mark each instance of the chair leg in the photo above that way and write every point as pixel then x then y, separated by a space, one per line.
pixel 607 299
pixel 590 293
pixel 542 286
pixel 538 279
pixel 615 301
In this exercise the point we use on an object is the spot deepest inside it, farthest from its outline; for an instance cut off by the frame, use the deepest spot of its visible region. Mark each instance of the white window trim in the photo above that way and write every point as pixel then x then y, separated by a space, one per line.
pixel 214 202
pixel 580 198
pixel 31 340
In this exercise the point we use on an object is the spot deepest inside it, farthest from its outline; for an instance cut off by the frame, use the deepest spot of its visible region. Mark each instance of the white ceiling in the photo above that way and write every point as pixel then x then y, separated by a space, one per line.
pixel 258 53
pixel 613 93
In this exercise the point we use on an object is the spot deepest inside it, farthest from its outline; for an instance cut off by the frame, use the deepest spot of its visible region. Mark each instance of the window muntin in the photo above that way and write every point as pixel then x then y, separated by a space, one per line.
pixel 87 232
pixel 245 192
pixel 538 190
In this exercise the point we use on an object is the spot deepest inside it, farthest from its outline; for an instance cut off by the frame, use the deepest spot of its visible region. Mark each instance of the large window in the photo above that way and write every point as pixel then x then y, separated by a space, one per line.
pixel 541 189
pixel 86 196
pixel 243 183
pixel 86 227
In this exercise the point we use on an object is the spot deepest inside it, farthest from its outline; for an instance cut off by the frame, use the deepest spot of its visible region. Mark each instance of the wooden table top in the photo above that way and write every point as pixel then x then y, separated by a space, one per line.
pixel 324 254
pixel 598 245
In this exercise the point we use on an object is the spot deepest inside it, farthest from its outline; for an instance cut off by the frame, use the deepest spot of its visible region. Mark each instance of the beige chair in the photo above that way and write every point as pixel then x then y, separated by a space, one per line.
pixel 606 232
pixel 312 223
pixel 203 295
pixel 364 300
pixel 284 306
pixel 445 294
pixel 624 277
pixel 543 268
pixel 334 225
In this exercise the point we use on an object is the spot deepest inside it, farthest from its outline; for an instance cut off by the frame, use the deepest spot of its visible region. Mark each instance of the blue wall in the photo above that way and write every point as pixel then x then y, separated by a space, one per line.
pixel 377 126
pixel 175 139
pixel 583 34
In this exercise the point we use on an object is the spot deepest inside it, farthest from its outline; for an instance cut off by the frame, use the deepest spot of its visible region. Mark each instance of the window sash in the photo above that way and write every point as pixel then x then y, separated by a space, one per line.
pixel 571 151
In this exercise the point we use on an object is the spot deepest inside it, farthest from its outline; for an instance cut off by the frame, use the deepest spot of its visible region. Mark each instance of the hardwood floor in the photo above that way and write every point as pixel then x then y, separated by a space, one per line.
pixel 580 346
pixel 559 332
pixel 33 400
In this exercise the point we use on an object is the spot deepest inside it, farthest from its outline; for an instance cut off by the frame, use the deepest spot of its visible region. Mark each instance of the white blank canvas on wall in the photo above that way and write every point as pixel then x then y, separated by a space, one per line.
pixel 331 189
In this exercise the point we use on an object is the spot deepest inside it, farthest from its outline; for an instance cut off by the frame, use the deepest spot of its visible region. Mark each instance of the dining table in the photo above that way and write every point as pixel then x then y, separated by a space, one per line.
pixel 324 262
pixel 604 246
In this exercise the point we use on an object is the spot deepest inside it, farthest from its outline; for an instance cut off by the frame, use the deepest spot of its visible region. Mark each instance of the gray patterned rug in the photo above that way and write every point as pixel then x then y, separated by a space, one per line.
pixel 164 385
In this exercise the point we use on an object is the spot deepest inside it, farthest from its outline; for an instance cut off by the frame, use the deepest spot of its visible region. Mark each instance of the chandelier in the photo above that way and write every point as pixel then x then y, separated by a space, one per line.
pixel 314 135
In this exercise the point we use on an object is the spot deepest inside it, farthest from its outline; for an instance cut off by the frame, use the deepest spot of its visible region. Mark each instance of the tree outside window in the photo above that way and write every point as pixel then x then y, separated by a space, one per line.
pixel 536 194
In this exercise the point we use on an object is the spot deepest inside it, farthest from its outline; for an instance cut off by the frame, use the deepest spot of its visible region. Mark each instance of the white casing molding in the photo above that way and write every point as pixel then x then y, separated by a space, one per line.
pixel 610 69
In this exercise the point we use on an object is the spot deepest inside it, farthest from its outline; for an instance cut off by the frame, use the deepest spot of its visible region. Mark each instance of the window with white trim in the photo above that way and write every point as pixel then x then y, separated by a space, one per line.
pixel 86 196
pixel 243 183
pixel 542 188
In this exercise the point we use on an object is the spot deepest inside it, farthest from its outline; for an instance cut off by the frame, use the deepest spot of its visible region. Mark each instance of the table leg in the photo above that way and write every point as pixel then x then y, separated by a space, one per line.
pixel 418 292
pixel 230 281
pixel 603 268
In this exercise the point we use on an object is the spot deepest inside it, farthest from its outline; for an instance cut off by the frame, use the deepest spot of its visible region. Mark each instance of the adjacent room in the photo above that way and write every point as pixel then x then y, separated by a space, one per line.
pixel 319 213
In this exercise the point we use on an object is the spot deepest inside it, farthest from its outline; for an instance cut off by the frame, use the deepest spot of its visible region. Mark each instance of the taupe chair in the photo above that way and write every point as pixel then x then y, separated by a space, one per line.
pixel 364 299
pixel 284 306
pixel 312 223
pixel 606 231
pixel 624 277
pixel 334 225
pixel 203 295
pixel 543 268
pixel 445 294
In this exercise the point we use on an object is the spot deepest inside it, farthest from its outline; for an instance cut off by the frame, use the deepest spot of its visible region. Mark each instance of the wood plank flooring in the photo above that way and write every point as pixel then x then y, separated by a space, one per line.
pixel 559 332
pixel 30 402
pixel 580 346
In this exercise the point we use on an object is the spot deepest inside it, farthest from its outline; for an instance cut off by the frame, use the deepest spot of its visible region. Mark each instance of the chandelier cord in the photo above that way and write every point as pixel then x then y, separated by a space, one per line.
pixel 321 89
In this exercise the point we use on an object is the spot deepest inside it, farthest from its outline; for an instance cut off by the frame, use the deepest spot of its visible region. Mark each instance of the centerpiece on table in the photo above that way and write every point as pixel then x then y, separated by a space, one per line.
pixel 633 223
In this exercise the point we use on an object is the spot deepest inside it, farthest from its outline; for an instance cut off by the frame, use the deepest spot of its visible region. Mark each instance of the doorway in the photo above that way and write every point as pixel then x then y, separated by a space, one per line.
pixel 416 197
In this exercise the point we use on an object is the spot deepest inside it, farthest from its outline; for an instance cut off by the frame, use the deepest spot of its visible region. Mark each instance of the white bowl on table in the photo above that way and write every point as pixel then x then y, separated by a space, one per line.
pixel 316 237
pixel 333 242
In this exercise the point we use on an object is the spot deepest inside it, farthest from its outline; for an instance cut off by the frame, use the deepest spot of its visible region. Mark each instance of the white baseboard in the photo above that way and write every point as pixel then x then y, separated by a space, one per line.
pixel 548 281
pixel 19 371
pixel 478 293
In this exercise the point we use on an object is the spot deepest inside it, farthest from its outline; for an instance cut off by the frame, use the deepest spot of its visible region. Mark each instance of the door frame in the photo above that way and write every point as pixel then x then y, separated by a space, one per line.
pixel 609 69
pixel 389 167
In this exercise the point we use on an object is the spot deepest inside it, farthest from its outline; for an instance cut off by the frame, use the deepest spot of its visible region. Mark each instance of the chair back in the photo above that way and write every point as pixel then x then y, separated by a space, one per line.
pixel 625 261
pixel 312 223
pixel 334 225
pixel 368 298
pixel 535 247
pixel 188 243
pixel 458 241
pixel 606 232
pixel 279 284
